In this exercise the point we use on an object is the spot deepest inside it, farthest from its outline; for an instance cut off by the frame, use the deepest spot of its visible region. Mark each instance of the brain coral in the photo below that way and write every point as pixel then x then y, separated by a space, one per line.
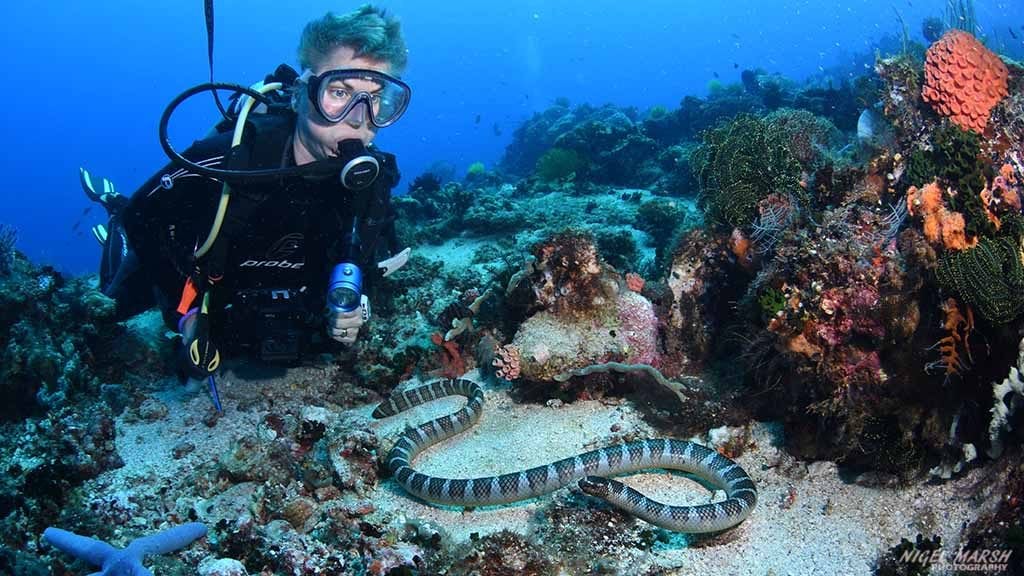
pixel 963 80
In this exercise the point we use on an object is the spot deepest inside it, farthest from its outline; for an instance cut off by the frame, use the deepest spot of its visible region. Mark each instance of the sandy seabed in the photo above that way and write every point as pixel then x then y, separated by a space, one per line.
pixel 808 520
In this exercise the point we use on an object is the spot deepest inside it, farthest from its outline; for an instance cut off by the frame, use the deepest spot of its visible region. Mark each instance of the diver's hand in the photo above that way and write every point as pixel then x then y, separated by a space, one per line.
pixel 344 326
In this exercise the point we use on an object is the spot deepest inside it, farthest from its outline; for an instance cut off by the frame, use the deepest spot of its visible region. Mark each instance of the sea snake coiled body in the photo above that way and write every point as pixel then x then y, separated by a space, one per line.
pixel 588 468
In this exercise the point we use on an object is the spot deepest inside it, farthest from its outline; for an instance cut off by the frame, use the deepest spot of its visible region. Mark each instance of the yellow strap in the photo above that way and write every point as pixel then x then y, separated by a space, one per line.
pixel 225 192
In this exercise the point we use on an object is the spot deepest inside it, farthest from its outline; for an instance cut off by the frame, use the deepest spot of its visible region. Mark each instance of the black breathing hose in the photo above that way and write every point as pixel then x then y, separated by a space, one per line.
pixel 322 168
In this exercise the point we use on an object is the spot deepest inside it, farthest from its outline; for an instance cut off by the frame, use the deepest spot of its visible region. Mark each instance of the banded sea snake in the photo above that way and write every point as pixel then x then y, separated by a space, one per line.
pixel 589 468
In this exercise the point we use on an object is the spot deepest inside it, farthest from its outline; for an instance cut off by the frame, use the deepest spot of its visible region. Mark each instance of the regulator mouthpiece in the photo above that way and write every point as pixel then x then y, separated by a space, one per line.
pixel 361 168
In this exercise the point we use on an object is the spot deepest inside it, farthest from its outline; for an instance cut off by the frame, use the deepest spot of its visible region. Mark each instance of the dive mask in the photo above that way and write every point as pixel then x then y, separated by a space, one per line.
pixel 337 93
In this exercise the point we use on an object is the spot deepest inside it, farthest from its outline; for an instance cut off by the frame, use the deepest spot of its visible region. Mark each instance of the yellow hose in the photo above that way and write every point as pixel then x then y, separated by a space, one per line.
pixel 236 139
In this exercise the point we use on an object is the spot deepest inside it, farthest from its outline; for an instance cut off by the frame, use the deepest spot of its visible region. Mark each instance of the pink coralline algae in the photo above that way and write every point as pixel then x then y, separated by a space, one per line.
pixel 1003 197
pixel 861 367
pixel 834 333
pixel 847 311
pixel 635 282
pixel 622 330
pixel 639 327
pixel 865 311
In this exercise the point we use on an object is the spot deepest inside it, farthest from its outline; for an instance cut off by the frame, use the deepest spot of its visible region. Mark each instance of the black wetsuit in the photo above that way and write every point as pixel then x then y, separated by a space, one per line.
pixel 281 238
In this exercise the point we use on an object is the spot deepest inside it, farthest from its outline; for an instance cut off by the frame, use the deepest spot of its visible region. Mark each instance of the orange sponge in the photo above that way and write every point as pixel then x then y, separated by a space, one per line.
pixel 942 227
pixel 963 80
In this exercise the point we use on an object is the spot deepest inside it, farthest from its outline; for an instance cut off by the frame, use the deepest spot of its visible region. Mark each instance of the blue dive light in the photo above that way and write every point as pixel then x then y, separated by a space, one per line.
pixel 345 290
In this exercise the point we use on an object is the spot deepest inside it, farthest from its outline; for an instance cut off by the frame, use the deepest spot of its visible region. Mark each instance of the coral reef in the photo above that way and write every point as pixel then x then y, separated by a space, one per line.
pixel 964 172
pixel 839 105
pixel 425 184
pixel 615 148
pixel 586 315
pixel 46 360
pixel 864 299
pixel 659 217
pixel 809 137
pixel 566 275
pixel 560 164
pixel 537 135
pixel 697 286
pixel 8 238
pixel 829 303
pixel 45 461
pixel 901 96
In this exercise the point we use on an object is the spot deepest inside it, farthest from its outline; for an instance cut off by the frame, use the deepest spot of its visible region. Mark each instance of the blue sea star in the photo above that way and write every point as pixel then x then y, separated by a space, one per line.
pixel 126 561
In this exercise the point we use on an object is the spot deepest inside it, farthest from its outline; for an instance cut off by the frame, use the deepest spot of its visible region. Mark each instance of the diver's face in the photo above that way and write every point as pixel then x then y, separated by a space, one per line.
pixel 316 138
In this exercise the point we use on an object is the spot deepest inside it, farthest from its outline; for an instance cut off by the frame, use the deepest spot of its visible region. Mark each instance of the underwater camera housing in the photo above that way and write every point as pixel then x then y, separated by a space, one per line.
pixel 275 325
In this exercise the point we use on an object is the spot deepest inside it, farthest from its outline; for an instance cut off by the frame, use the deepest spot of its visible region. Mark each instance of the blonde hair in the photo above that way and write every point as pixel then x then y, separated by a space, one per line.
pixel 369 30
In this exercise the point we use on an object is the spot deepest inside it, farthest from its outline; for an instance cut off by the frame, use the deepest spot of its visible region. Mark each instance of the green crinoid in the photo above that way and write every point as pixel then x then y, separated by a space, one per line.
pixel 989 277
pixel 739 164
pixel 959 162
pixel 772 302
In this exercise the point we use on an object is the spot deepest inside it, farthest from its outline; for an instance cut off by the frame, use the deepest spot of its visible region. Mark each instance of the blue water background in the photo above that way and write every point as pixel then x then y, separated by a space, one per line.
pixel 86 82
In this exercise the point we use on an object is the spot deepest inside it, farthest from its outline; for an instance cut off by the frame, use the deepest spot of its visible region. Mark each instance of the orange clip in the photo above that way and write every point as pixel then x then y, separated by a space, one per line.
pixel 188 295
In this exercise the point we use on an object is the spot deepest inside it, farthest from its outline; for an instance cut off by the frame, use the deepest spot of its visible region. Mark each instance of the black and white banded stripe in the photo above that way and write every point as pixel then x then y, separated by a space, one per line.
pixel 589 468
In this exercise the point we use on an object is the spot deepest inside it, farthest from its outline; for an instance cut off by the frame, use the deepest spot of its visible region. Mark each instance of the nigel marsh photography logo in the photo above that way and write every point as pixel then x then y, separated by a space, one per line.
pixel 987 560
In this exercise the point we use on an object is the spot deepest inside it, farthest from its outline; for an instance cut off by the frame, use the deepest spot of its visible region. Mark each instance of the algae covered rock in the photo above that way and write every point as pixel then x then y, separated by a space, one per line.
pixel 623 330
pixel 698 283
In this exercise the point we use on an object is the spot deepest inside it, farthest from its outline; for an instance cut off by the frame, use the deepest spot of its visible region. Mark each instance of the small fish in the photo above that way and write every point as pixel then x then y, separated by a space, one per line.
pixel 1012 33
pixel 496 129
pixel 735 65
pixel 477 121
pixel 716 74
pixel 735 36
pixel 78 222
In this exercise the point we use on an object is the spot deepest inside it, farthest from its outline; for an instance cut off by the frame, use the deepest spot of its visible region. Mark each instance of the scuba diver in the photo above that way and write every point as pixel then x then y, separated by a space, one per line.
pixel 237 238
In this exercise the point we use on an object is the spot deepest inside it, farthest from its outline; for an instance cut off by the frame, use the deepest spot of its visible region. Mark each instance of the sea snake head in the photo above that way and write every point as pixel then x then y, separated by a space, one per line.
pixel 595 486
